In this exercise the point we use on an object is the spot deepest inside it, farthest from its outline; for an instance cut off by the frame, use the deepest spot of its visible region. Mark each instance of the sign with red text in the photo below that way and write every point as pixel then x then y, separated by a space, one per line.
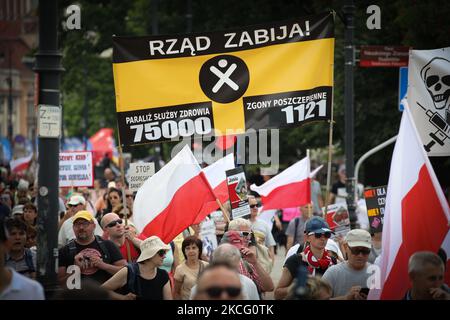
pixel 76 169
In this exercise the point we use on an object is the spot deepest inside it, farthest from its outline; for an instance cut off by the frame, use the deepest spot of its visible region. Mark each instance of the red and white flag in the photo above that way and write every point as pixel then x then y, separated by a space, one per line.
pixel 217 178
pixel 290 188
pixel 416 215
pixel 170 200
pixel 20 164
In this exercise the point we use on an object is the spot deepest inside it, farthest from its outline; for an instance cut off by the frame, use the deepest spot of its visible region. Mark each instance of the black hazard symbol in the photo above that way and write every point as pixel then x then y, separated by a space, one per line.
pixel 224 78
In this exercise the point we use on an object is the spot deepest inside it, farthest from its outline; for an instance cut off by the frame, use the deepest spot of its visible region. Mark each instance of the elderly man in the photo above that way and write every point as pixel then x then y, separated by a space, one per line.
pixel 219 282
pixel 349 277
pixel 97 259
pixel 239 234
pixel 76 203
pixel 122 237
pixel 426 273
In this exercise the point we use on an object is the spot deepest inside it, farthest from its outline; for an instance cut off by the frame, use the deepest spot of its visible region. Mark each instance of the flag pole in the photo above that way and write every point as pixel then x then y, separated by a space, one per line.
pixel 309 173
pixel 124 199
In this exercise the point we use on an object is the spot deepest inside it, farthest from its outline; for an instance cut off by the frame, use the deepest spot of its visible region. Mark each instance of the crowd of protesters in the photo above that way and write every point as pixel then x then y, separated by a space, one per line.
pixel 96 233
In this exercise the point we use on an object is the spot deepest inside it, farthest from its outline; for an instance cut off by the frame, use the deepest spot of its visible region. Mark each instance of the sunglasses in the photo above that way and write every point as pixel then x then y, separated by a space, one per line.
pixel 320 235
pixel 114 223
pixel 254 206
pixel 357 251
pixel 129 196
pixel 245 234
pixel 216 292
pixel 161 253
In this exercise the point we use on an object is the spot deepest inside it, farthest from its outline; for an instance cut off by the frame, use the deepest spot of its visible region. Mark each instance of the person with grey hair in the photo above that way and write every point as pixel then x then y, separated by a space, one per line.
pixel 227 254
pixel 426 274
pixel 240 235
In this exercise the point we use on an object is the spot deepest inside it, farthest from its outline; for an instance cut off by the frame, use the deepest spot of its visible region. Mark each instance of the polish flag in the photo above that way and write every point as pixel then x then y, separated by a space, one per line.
pixel 416 215
pixel 20 164
pixel 290 188
pixel 217 178
pixel 171 199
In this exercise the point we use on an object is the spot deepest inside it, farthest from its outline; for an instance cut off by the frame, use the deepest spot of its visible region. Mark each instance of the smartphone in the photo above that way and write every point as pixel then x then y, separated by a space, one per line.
pixel 364 290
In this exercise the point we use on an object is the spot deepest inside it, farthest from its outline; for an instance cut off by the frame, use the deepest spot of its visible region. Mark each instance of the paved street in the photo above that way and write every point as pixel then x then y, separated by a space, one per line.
pixel 276 271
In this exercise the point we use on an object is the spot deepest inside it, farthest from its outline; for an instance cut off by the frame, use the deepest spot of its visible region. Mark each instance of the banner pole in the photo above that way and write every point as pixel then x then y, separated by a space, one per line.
pixel 330 151
pixel 310 213
pixel 124 199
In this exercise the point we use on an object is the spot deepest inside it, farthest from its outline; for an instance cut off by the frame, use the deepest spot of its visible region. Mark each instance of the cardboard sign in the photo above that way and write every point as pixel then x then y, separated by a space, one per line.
pixel 138 173
pixel 338 219
pixel 375 202
pixel 76 169
pixel 208 236
pixel 260 77
pixel 237 189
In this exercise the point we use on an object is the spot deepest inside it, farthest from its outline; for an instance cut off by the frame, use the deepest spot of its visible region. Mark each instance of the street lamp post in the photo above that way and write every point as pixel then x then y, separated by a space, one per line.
pixel 48 65
pixel 349 10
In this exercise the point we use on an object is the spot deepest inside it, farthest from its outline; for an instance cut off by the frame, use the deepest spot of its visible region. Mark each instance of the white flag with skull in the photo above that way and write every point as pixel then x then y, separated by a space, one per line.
pixel 429 98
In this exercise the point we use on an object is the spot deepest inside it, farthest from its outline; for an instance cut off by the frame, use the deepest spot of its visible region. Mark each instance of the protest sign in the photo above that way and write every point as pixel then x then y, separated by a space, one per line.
pixel 208 236
pixel 375 202
pixel 237 190
pixel 76 169
pixel 138 173
pixel 338 219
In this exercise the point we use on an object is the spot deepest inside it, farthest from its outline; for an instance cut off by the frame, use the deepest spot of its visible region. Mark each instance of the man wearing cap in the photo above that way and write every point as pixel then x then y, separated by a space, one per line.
pixel 313 256
pixel 17 211
pixel 349 277
pixel 76 203
pixel 97 259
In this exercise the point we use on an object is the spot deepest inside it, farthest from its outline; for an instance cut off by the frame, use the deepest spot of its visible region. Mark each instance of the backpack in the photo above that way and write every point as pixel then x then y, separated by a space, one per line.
pixel 101 243
pixel 133 283
pixel 29 261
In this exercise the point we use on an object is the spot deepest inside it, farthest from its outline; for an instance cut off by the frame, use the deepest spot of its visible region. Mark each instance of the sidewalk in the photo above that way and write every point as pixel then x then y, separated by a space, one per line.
pixel 276 270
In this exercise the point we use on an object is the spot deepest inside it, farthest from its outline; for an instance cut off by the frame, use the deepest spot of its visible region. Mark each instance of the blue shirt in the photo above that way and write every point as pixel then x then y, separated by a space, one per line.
pixel 22 288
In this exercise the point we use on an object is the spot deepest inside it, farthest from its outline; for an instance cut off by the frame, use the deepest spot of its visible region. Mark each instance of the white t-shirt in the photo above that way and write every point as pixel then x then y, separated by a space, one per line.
pixel 263 227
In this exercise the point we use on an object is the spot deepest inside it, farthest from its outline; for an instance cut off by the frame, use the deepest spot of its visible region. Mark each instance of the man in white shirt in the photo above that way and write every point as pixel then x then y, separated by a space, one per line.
pixel 76 203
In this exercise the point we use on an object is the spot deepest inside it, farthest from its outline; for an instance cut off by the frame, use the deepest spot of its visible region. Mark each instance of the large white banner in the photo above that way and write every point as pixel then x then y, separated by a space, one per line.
pixel 429 98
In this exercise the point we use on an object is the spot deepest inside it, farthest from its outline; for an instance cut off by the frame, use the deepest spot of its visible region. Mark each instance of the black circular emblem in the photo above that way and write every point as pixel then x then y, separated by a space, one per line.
pixel 224 78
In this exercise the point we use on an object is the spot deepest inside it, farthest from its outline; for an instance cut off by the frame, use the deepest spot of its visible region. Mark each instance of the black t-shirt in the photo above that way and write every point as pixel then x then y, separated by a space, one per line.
pixel 295 261
pixel 153 289
pixel 66 259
